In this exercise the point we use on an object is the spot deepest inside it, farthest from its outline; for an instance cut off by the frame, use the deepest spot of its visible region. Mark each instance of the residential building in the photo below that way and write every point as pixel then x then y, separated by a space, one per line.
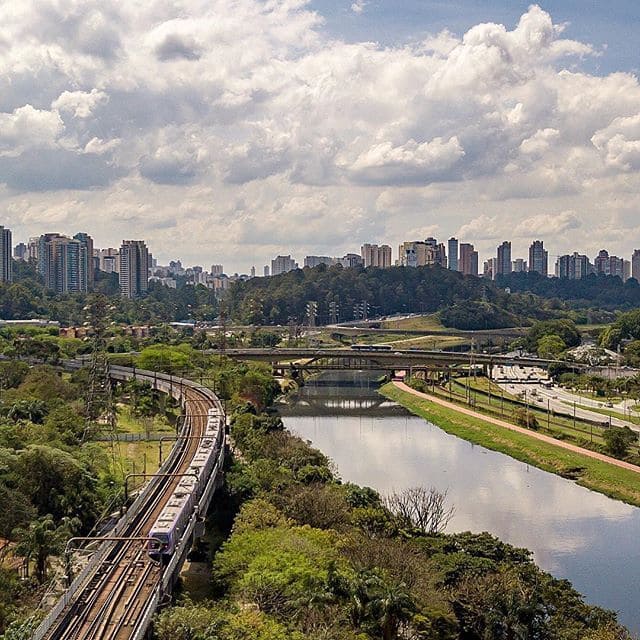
pixel 607 265
pixel 538 258
pixel 265 271
pixel 63 263
pixel 282 264
pixel 376 256
pixel 490 268
pixel 315 261
pixel 217 269
pixel 87 241
pixel 109 260
pixel 134 268
pixel 503 261
pixel 252 273
pixel 635 265
pixel 20 251
pixel 420 253
pixel 6 261
pixel 350 260
pixel 627 270
pixel 519 265
pixel 468 261
pixel 574 267
pixel 32 249
pixel 452 246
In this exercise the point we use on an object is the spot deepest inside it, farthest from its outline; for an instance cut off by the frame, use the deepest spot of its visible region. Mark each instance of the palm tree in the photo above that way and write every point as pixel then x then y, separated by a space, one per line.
pixel 41 540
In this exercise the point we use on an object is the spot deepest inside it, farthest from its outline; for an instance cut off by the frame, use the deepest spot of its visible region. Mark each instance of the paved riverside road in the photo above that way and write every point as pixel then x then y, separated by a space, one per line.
pixel 512 427
pixel 520 380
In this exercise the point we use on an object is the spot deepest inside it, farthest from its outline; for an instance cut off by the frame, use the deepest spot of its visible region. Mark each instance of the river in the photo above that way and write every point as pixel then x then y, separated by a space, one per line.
pixel 574 533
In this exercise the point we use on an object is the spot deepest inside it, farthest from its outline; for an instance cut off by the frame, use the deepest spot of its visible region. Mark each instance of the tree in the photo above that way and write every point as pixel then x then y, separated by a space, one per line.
pixel 618 440
pixel 41 540
pixel 550 346
pixel 420 508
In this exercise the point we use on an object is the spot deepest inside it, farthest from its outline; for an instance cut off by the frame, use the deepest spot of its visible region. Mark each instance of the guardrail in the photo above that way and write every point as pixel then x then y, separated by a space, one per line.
pixel 168 384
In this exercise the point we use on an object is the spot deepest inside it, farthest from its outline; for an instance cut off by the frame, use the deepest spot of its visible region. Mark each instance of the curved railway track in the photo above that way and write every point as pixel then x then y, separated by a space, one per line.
pixel 113 602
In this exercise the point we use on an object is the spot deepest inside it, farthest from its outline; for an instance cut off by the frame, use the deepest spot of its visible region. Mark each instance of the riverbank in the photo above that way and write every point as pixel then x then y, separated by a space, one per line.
pixel 589 471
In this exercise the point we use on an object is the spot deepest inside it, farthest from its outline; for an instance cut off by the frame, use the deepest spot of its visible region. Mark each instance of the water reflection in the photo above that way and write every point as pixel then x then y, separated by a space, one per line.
pixel 573 532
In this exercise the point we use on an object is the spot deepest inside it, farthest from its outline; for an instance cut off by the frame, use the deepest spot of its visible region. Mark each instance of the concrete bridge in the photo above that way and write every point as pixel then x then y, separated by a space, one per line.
pixel 372 358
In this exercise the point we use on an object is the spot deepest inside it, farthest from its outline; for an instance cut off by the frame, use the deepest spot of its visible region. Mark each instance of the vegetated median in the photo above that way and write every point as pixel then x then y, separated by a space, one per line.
pixel 615 482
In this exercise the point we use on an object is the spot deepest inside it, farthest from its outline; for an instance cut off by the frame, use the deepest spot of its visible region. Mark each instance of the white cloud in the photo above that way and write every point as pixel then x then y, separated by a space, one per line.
pixel 80 103
pixel 27 127
pixel 162 119
pixel 358 6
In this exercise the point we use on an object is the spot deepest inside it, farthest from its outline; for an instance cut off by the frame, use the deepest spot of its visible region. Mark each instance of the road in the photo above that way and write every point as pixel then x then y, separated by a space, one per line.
pixel 533 383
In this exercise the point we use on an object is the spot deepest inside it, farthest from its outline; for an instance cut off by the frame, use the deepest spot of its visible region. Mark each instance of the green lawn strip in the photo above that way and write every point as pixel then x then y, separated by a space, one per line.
pixel 557 424
pixel 603 477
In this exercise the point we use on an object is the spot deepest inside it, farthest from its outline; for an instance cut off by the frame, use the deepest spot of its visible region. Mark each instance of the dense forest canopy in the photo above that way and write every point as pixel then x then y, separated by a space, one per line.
pixel 339 294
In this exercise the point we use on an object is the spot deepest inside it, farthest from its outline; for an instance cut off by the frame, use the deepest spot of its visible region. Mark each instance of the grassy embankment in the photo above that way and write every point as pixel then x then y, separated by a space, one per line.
pixel 138 456
pixel 596 475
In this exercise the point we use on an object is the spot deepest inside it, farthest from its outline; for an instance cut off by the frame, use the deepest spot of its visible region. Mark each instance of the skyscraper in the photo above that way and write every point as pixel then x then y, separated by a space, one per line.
pixel 453 254
pixel 282 264
pixel 538 258
pixel 376 256
pixel 63 263
pixel 635 265
pixel 503 262
pixel 134 268
pixel 6 261
pixel 87 241
pixel 20 251
pixel 468 263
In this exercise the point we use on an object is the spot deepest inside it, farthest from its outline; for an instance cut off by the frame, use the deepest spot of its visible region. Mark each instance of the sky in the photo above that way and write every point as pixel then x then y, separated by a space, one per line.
pixel 230 131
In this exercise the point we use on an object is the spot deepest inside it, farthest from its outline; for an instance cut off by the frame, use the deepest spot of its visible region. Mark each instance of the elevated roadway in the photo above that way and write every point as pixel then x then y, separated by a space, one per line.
pixel 379 359
pixel 116 594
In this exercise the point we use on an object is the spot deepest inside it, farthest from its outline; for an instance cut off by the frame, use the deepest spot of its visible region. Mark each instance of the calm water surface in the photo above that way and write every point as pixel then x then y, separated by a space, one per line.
pixel 574 533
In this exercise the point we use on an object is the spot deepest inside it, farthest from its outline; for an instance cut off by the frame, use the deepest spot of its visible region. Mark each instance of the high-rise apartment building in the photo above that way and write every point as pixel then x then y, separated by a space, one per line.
pixel 315 261
pixel 20 251
pixel 573 267
pixel 376 256
pixel 63 263
pixel 422 254
pixel 519 265
pixel 265 271
pixel 6 261
pixel 635 265
pixel 282 264
pixel 468 262
pixel 607 265
pixel 87 241
pixel 538 258
pixel 217 269
pixel 452 246
pixel 503 261
pixel 134 268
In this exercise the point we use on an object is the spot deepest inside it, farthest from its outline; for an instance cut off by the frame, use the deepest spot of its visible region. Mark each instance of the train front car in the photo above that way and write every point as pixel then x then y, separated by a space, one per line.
pixel 168 528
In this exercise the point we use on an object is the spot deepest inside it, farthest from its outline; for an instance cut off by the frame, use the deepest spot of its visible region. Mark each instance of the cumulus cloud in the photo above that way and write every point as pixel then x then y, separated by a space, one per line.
pixel 163 115
pixel 547 225
pixel 385 163
pixel 79 103
pixel 26 128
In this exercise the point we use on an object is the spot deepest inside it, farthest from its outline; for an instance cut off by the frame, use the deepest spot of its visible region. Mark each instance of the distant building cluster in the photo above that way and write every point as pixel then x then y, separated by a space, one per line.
pixel 70 264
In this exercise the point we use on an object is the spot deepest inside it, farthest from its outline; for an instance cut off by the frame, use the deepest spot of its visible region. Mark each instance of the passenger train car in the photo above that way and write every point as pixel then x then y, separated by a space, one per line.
pixel 166 532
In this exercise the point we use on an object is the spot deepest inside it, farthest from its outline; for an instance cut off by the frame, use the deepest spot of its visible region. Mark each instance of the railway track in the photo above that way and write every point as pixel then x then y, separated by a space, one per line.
pixel 113 603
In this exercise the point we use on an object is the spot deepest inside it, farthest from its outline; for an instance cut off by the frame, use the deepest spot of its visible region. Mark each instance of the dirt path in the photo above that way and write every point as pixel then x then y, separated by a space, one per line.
pixel 532 434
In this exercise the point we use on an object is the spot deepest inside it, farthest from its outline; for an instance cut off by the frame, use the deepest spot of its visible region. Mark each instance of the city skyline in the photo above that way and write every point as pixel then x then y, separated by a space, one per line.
pixel 151 122
pixel 68 264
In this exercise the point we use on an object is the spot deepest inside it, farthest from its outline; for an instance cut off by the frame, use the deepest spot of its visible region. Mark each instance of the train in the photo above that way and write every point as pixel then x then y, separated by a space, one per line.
pixel 172 521
pixel 371 347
